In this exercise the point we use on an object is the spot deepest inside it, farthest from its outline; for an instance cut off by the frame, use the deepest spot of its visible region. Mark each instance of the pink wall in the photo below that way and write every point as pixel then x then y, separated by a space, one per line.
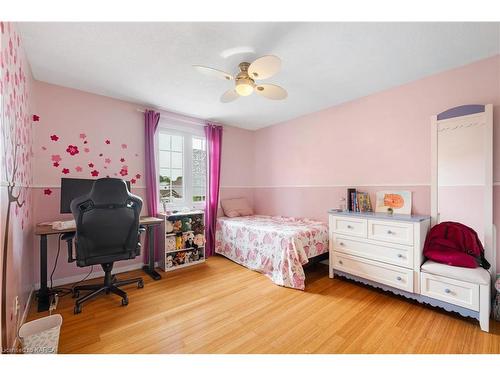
pixel 382 141
pixel 86 121
pixel 16 229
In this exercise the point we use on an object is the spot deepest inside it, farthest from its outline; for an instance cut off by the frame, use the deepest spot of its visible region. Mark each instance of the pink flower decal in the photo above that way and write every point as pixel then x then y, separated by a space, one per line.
pixel 55 164
pixel 78 169
pixel 91 165
pixel 65 170
pixel 107 160
pixel 122 160
pixel 133 181
pixel 86 149
pixel 123 172
pixel 124 146
pixel 107 141
pixel 94 173
pixel 72 150
pixel 100 154
pixel 54 137
pixel 36 118
pixel 83 136
pixel 44 148
pixel 47 191
pixel 85 142
pixel 138 176
pixel 56 158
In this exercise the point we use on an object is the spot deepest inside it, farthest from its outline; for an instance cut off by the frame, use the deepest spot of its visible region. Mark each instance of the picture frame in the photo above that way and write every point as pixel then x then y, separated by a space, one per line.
pixel 394 202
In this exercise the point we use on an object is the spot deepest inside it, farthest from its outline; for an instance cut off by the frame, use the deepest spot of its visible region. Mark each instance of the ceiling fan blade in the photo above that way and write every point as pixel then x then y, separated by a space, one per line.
pixel 264 67
pixel 229 96
pixel 213 72
pixel 273 92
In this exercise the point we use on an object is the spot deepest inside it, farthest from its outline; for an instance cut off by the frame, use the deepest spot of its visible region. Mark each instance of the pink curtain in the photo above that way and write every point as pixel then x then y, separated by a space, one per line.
pixel 151 120
pixel 214 145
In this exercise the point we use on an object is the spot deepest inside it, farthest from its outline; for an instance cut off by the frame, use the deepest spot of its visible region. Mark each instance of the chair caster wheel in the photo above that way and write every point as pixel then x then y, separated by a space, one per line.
pixel 124 301
pixel 140 284
pixel 75 294
pixel 77 309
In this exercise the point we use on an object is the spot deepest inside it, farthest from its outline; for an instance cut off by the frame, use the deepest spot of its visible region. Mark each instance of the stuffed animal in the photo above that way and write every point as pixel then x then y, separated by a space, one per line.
pixel 197 225
pixel 177 226
pixel 199 240
pixel 169 262
pixel 170 243
pixel 190 240
pixel 186 224
pixel 178 242
pixel 180 257
pixel 195 256
pixel 169 227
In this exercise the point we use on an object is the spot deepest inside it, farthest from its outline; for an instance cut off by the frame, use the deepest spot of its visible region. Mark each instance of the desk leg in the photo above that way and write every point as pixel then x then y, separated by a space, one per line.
pixel 150 268
pixel 43 293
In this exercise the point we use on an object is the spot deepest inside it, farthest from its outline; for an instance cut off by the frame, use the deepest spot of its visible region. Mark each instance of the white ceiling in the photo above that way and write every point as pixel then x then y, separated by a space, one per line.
pixel 323 64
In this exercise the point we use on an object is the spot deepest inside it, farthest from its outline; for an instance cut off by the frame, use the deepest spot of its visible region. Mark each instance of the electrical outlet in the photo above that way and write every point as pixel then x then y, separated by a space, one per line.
pixel 17 306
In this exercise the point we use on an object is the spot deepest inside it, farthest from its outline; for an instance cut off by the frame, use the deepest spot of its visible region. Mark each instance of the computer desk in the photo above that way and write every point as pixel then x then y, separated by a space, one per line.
pixel 46 230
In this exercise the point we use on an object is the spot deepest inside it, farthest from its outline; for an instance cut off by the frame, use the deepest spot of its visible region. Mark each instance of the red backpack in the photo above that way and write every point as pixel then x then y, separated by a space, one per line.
pixel 455 244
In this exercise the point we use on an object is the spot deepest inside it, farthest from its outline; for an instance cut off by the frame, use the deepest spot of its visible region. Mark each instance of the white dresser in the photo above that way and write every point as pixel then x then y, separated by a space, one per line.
pixel 378 247
pixel 385 251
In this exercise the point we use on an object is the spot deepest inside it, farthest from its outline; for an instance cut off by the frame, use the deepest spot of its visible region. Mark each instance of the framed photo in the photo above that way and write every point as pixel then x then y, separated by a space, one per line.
pixel 397 202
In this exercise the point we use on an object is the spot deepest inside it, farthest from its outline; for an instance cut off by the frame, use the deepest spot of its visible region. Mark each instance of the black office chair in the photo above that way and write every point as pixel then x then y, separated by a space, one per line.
pixel 107 231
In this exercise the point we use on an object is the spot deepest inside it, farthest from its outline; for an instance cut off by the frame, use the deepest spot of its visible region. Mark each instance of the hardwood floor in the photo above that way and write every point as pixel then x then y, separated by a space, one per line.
pixel 221 307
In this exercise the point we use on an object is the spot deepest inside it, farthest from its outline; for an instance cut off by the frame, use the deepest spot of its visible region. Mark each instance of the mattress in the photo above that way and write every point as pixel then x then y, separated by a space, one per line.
pixel 276 246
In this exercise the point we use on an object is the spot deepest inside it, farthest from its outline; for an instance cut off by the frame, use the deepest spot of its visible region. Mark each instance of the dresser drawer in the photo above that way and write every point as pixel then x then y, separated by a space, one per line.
pixel 453 291
pixel 394 276
pixel 398 255
pixel 388 231
pixel 349 226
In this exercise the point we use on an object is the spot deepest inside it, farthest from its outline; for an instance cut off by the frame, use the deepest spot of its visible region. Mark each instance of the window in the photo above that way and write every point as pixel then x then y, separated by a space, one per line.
pixel 182 168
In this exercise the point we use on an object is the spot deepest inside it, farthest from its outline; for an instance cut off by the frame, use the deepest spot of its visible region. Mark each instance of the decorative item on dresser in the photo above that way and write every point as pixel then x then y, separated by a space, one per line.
pixel 183 239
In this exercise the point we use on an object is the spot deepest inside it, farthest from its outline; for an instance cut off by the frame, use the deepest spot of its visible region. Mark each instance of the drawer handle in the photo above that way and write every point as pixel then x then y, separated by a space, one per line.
pixel 399 278
pixel 390 232
pixel 400 255
pixel 340 262
pixel 341 243
pixel 349 227
pixel 447 291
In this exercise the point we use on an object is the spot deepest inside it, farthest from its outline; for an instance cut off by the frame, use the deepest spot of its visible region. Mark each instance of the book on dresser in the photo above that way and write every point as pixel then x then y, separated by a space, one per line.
pixel 182 240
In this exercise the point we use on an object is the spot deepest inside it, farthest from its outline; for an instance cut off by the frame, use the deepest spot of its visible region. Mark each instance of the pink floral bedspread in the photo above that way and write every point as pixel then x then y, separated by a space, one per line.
pixel 274 245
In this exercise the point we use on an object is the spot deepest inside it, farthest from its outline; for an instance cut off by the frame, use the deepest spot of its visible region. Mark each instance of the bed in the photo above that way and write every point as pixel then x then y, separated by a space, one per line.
pixel 276 246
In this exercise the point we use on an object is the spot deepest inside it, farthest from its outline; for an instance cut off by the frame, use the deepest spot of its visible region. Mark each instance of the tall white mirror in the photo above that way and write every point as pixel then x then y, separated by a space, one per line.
pixel 462 172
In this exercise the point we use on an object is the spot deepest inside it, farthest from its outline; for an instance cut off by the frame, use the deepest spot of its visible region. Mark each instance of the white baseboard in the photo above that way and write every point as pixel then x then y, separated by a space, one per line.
pixel 97 273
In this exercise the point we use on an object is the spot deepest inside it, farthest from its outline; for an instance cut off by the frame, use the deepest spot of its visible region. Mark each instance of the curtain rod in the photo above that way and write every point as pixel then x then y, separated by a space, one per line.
pixel 179 117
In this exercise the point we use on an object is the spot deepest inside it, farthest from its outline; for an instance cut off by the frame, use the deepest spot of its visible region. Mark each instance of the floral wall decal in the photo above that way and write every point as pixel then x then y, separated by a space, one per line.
pixel 16 159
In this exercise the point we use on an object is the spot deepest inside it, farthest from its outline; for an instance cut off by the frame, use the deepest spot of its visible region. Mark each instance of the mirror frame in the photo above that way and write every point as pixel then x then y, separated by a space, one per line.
pixel 462 113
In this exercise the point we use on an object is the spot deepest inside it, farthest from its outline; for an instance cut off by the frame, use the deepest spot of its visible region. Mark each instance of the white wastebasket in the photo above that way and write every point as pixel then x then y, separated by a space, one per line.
pixel 41 336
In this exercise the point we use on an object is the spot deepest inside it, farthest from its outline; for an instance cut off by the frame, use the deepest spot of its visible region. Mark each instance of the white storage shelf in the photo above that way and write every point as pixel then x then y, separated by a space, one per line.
pixel 183 240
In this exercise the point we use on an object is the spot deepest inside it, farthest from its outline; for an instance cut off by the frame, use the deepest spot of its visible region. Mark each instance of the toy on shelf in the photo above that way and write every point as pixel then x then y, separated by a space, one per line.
pixel 170 243
pixel 186 224
pixel 184 239
pixel 178 241
pixel 177 226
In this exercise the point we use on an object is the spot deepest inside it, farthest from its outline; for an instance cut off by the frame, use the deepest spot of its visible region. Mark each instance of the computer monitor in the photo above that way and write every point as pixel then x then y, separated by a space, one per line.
pixel 72 188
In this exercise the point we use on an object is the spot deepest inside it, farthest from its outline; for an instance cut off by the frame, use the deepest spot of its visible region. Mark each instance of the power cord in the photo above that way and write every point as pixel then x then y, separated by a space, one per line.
pixel 61 292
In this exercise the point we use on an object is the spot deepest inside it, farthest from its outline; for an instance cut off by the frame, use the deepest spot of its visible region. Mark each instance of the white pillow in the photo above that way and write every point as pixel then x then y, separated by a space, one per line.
pixel 236 207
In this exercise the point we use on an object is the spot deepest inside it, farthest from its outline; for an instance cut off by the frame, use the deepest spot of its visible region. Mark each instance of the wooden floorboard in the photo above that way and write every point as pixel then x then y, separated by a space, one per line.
pixel 222 307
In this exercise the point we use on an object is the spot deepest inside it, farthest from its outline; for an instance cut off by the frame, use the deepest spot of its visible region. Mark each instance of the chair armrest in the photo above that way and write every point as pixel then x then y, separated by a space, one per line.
pixel 68 237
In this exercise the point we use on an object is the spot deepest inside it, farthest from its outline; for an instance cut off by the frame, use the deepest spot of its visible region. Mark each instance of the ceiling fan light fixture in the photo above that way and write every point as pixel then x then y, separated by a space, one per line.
pixel 244 86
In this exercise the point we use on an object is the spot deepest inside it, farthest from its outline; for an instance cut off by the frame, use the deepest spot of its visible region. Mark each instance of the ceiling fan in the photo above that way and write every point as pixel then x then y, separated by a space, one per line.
pixel 262 68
